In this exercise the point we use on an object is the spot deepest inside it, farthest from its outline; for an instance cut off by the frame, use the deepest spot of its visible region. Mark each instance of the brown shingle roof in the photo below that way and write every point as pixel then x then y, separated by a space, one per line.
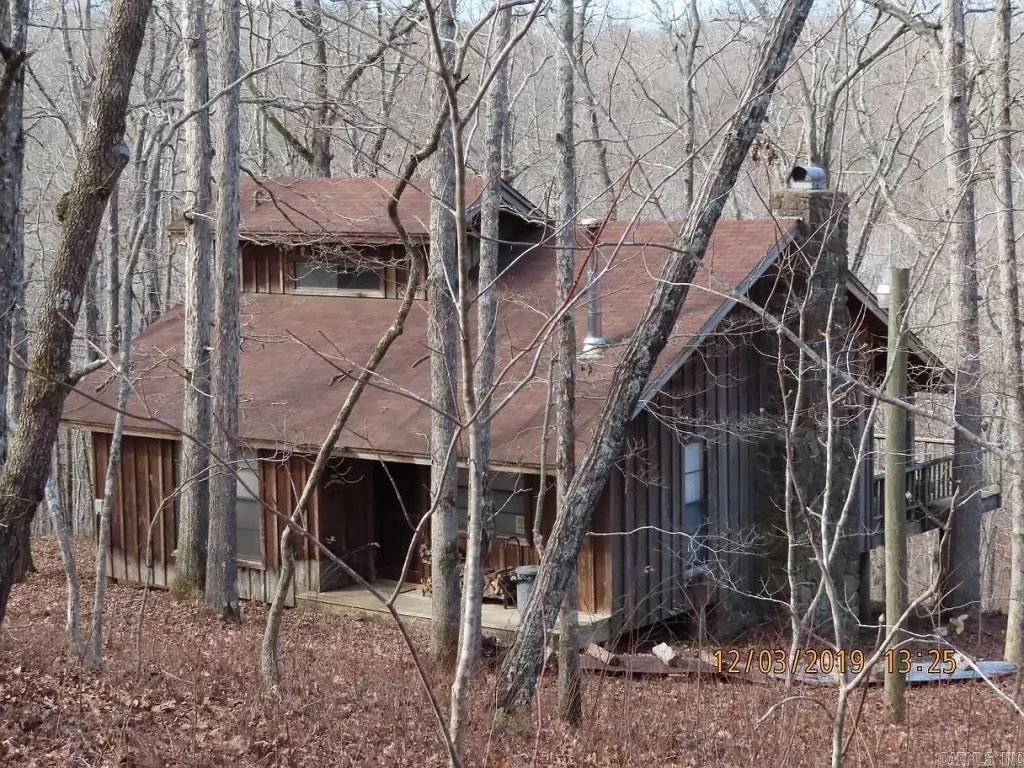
pixel 290 395
pixel 305 209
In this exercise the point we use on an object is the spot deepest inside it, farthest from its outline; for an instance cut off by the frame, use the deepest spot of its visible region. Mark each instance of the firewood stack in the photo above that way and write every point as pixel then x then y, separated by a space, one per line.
pixel 497 582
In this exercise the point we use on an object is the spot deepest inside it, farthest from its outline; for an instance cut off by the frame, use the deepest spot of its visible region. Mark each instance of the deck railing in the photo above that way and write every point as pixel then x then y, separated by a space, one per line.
pixel 929 477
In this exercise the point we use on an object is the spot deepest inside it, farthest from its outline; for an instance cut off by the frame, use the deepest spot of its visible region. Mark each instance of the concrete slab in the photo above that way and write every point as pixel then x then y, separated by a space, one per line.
pixel 415 608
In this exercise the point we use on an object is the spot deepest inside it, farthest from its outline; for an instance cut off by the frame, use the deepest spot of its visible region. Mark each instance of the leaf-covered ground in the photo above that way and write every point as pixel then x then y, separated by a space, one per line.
pixel 187 694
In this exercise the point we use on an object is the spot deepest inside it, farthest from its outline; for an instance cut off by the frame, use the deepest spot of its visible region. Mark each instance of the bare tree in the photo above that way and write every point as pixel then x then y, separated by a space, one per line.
pixel 194 502
pixel 310 13
pixel 13 42
pixel 442 332
pixel 94 648
pixel 1013 337
pixel 564 371
pixel 270 672
pixel 222 554
pixel 478 370
pixel 80 211
pixel 518 676
pixel 961 544
pixel 113 287
pixel 593 116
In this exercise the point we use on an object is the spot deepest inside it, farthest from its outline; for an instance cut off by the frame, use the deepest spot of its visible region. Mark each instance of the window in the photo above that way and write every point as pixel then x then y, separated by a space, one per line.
pixel 319 277
pixel 695 501
pixel 511 503
pixel 248 511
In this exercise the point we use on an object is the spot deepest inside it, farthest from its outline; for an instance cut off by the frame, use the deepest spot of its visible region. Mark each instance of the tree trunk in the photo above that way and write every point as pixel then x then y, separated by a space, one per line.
pixel 689 102
pixel 569 705
pixel 194 503
pixel 518 676
pixel 1012 328
pixel 608 193
pixel 94 651
pixel 222 558
pixel 73 624
pixel 442 331
pixel 113 292
pixel 320 156
pixel 154 245
pixel 14 35
pixel 896 446
pixel 93 343
pixel 478 375
pixel 80 212
pixel 487 275
pixel 961 574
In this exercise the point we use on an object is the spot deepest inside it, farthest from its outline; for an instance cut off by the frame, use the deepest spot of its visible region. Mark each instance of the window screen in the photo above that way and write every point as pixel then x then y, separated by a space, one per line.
pixel 695 500
pixel 317 276
pixel 247 512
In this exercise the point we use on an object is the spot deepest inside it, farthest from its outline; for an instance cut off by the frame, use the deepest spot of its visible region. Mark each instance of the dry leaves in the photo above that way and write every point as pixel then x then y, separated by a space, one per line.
pixel 352 698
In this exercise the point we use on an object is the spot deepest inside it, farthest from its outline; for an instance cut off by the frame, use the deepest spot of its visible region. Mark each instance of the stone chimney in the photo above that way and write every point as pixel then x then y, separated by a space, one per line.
pixel 817 271
pixel 824 224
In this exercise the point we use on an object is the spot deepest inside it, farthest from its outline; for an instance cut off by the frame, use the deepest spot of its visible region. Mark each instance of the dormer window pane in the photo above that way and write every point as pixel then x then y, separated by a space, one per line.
pixel 330 278
pixel 358 280
pixel 309 274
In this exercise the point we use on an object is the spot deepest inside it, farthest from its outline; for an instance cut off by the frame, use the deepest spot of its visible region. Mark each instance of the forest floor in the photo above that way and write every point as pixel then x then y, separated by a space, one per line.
pixel 188 695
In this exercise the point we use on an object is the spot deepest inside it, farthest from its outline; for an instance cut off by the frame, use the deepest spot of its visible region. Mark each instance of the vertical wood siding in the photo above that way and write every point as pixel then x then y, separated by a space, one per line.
pixel 143 516
pixel 142 526
pixel 343 514
pixel 711 399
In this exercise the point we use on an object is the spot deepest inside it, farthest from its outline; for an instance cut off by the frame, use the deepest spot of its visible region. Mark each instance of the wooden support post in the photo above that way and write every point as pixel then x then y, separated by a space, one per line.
pixel 896 487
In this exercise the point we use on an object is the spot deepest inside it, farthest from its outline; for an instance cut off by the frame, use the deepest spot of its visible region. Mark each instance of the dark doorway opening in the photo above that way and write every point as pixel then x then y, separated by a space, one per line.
pixel 401 493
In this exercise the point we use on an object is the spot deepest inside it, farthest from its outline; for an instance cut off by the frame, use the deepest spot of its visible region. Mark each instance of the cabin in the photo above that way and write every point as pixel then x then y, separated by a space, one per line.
pixel 689 523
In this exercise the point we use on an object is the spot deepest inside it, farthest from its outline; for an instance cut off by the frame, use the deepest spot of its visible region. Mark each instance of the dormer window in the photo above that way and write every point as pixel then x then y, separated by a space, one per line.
pixel 333 278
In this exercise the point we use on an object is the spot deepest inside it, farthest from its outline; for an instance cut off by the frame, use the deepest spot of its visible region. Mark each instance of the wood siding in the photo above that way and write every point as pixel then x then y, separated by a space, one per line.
pixel 142 524
pixel 710 400
pixel 346 513
pixel 144 489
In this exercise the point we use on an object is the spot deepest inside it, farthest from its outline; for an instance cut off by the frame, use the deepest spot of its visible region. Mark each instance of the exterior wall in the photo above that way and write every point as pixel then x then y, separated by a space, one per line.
pixel 143 523
pixel 713 399
pixel 282 479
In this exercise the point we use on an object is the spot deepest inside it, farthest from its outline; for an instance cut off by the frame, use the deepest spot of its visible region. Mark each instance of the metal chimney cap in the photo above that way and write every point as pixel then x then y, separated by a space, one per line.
pixel 807 177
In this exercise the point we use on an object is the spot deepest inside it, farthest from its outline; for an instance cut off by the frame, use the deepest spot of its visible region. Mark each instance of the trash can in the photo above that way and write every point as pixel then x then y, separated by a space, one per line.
pixel 526 575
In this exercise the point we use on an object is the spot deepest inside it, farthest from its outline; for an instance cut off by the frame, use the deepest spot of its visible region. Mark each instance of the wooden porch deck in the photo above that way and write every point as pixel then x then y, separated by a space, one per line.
pixel 930 491
pixel 415 607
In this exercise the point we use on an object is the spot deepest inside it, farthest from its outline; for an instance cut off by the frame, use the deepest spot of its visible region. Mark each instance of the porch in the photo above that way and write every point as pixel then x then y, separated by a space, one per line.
pixel 415 608
pixel 930 488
